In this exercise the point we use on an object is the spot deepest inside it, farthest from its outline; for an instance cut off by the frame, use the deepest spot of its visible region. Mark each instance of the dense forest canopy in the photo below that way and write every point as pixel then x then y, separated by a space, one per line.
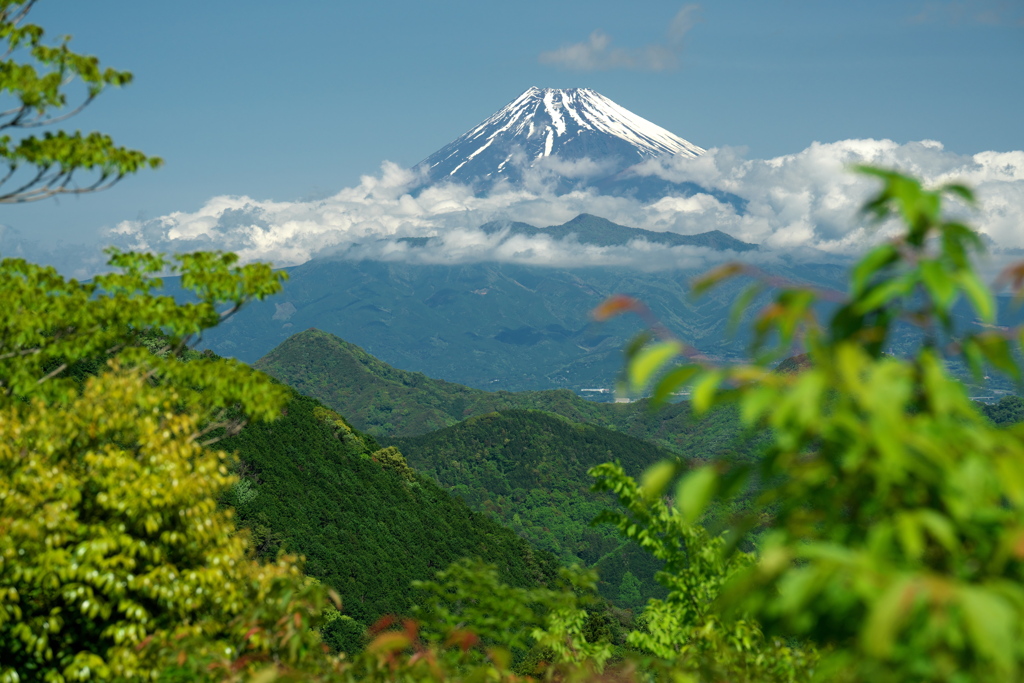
pixel 367 524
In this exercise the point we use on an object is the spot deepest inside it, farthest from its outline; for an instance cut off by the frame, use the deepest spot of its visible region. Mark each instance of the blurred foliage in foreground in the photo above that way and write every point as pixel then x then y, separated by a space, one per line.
pixel 894 509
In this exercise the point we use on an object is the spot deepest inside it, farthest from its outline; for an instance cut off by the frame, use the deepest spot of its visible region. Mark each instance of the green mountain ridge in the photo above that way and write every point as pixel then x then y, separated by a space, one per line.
pixel 529 469
pixel 385 401
pixel 366 522
pixel 520 457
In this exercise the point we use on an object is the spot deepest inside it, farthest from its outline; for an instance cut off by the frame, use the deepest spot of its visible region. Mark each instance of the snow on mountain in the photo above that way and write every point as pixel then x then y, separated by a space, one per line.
pixel 576 134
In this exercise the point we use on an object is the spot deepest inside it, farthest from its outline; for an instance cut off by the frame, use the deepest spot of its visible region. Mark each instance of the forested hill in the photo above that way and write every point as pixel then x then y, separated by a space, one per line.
pixel 529 469
pixel 1009 410
pixel 365 521
pixel 490 459
pixel 385 401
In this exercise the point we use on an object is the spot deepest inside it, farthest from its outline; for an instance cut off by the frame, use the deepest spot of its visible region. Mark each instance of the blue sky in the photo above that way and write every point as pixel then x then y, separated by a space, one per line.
pixel 289 101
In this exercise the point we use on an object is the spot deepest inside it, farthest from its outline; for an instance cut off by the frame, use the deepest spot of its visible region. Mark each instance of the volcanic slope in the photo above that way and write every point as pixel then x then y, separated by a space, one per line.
pixel 565 139
pixel 575 134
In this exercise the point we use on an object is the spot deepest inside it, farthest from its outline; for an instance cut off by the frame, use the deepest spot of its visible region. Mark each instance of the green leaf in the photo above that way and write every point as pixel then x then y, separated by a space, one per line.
pixel 997 351
pixel 656 478
pixel 991 625
pixel 695 491
pixel 636 344
pixel 756 403
pixel 957 238
pixel 974 356
pixel 703 395
pixel 911 537
pixel 887 615
pixel 649 360
pixel 962 191
pixel 940 285
pixel 885 292
pixel 672 381
pixel 876 259
pixel 741 305
pixel 979 295
pixel 939 527
pixel 716 276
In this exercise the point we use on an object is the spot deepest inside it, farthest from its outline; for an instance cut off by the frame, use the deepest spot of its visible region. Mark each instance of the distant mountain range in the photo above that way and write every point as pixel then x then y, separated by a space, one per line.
pixel 601 232
pixel 571 138
pixel 498 325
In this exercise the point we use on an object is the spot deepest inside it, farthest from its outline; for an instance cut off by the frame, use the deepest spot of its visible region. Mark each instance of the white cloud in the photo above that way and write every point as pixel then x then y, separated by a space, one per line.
pixel 471 245
pixel 812 198
pixel 795 204
pixel 597 53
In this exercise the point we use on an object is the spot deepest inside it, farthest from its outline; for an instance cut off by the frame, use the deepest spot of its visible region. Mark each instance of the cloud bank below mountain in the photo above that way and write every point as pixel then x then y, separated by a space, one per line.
pixel 803 205
pixel 805 200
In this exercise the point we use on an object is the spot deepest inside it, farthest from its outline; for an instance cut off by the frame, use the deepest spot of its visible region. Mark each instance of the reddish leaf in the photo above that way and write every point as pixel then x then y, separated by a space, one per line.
pixel 381 624
pixel 615 305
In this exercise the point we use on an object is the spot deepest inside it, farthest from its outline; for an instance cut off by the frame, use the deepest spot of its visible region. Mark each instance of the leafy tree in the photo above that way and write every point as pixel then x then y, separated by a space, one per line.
pixel 35 80
pixel 115 557
pixel 896 509
pixel 116 560
pixel 468 599
pixel 686 630
pixel 629 590
pixel 1007 411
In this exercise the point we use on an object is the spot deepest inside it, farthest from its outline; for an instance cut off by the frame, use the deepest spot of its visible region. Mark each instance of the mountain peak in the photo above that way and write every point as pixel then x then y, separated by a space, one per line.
pixel 552 126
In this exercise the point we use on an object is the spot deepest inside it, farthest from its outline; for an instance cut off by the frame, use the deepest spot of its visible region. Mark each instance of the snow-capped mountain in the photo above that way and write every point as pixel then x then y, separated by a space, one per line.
pixel 576 135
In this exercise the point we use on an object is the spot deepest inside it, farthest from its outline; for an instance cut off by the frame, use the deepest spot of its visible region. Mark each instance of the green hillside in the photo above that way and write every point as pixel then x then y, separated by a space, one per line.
pixel 521 457
pixel 366 523
pixel 529 469
pixel 385 401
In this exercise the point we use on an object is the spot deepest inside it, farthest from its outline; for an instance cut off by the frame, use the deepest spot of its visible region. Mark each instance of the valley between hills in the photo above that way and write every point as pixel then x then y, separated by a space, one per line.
pixel 371 464
pixel 380 477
